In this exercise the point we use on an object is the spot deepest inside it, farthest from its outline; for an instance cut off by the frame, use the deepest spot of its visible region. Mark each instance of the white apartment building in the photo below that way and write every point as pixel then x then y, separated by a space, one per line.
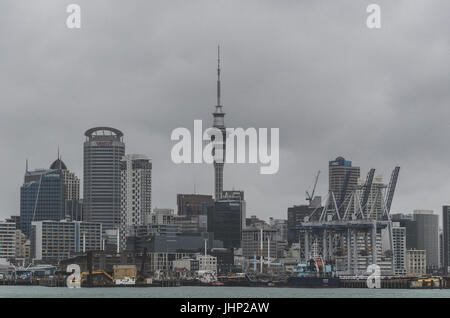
pixel 399 242
pixel 135 194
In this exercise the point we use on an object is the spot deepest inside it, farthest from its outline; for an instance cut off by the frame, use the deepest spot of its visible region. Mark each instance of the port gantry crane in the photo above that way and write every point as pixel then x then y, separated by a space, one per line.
pixel 340 229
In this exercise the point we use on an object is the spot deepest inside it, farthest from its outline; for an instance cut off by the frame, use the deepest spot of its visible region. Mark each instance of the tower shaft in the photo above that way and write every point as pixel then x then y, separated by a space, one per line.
pixel 219 123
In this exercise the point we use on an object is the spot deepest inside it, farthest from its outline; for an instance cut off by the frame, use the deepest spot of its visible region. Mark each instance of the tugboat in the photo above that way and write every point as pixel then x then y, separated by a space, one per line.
pixel 315 273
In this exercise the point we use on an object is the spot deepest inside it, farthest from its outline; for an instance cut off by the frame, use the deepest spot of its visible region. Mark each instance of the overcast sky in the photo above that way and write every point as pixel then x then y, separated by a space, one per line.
pixel 379 98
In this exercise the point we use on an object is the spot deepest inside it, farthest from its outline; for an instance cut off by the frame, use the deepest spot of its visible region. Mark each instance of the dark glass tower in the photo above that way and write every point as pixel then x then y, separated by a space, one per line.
pixel 446 239
pixel 41 197
pixel 103 151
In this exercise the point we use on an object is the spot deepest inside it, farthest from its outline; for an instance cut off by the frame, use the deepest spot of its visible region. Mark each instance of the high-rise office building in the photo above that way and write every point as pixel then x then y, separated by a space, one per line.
pixel 219 123
pixel 41 197
pixel 342 181
pixel 136 193
pixel 399 242
pixel 70 180
pixel 441 249
pixel 103 151
pixel 226 219
pixel 428 236
pixel 73 206
pixel 407 221
pixel 446 238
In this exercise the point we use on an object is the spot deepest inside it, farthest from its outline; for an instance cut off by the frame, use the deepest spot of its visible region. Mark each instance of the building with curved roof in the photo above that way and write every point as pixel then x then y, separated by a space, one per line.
pixel 58 164
pixel 103 151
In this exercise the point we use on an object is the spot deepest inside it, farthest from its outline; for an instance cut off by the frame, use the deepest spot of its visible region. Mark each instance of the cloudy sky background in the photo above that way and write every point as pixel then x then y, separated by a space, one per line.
pixel 312 68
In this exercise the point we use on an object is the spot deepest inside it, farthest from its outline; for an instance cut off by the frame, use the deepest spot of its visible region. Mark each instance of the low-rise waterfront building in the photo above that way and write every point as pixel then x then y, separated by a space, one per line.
pixel 416 262
pixel 53 241
pixel 7 240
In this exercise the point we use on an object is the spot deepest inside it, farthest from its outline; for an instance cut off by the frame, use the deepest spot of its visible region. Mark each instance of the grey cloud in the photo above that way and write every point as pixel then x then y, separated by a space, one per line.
pixel 333 87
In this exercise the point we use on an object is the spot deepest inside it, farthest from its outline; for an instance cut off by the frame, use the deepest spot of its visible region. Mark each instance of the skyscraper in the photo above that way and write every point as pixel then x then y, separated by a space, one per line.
pixel 72 204
pixel 41 197
pixel 103 151
pixel 407 221
pixel 446 238
pixel 219 123
pixel 136 193
pixel 70 180
pixel 399 248
pixel 428 236
pixel 343 179
pixel 226 218
pixel 49 194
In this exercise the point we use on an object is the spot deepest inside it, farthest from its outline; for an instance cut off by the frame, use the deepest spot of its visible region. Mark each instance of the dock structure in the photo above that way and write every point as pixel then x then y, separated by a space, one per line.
pixel 351 238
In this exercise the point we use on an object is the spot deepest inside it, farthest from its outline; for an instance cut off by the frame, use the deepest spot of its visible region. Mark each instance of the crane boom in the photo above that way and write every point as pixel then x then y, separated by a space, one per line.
pixel 367 188
pixel 391 188
pixel 348 173
pixel 311 197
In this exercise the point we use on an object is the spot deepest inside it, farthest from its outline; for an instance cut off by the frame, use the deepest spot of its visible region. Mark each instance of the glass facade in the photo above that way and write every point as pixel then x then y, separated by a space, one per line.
pixel 41 198
pixel 225 220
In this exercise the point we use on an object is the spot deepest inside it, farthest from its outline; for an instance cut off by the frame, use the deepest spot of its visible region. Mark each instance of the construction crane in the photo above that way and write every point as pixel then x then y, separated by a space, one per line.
pixel 311 197
pixel 391 188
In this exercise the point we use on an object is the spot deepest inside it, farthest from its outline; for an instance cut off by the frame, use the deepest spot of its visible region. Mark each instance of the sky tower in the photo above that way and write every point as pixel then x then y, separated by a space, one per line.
pixel 219 123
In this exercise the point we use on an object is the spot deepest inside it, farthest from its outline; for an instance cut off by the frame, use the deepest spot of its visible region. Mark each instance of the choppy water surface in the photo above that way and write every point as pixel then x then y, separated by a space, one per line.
pixel 213 292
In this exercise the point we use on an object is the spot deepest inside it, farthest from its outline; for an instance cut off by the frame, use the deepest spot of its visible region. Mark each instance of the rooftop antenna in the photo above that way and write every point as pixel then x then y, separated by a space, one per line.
pixel 26 165
pixel 218 75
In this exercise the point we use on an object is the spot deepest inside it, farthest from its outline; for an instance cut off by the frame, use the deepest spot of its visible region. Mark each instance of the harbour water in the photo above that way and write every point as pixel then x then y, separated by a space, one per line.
pixel 216 292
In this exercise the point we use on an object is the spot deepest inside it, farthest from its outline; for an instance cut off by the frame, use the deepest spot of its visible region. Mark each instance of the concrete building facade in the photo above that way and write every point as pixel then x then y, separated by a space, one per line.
pixel 7 240
pixel 416 262
pixel 428 236
pixel 103 151
pixel 399 253
pixel 446 239
pixel 342 175
pixel 251 242
pixel 53 241
pixel 136 193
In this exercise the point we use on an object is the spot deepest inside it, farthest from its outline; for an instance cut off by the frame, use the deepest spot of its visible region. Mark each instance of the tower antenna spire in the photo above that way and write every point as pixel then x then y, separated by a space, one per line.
pixel 218 76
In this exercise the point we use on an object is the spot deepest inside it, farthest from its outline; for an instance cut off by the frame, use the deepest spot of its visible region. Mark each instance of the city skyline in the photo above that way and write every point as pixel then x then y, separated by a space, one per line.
pixel 346 93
